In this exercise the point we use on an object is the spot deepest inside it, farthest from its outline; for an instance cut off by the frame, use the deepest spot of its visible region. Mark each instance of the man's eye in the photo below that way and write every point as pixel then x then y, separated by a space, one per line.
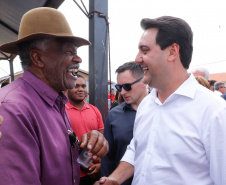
pixel 145 50
pixel 76 86
pixel 69 53
pixel 83 86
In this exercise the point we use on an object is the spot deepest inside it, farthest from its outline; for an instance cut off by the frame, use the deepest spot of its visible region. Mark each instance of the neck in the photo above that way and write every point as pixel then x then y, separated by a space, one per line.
pixel 135 105
pixel 77 104
pixel 170 86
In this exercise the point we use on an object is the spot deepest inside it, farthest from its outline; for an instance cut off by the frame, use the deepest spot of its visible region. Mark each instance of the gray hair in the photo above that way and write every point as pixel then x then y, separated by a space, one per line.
pixel 217 85
pixel 203 70
pixel 25 48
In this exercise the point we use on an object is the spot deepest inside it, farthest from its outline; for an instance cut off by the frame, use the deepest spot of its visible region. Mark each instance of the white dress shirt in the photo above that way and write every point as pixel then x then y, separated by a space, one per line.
pixel 218 93
pixel 182 141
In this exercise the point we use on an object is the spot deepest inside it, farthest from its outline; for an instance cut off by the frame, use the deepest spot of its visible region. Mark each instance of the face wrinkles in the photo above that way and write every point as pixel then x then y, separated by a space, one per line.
pixel 150 57
pixel 60 62
pixel 78 94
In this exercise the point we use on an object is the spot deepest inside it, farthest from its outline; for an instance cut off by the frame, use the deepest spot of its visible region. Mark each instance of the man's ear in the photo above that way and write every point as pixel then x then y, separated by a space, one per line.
pixel 36 57
pixel 173 52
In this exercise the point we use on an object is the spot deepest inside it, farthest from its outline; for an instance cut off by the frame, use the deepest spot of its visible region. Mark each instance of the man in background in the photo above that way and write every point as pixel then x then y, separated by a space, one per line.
pixel 84 118
pixel 201 71
pixel 212 82
pixel 219 88
pixel 120 120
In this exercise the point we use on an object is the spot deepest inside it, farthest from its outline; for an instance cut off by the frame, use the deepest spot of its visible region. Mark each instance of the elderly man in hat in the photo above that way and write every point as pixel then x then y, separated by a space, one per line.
pixel 36 147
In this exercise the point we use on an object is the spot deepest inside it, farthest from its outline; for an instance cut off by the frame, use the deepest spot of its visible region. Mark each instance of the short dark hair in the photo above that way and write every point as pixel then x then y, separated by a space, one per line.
pixel 78 75
pixel 212 82
pixel 172 30
pixel 136 70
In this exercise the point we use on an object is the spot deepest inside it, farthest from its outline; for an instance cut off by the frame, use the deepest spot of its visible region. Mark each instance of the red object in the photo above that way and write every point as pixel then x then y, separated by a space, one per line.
pixel 111 96
pixel 84 120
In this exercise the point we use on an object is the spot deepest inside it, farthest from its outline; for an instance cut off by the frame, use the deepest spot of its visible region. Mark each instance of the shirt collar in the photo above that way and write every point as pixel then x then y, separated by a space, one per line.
pixel 188 89
pixel 44 90
pixel 70 106
pixel 127 106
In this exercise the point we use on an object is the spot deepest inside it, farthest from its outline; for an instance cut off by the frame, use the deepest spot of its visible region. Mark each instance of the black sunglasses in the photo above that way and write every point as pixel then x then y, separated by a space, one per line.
pixel 127 87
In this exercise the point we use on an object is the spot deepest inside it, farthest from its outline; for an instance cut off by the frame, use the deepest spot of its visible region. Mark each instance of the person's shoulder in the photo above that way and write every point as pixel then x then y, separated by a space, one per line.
pixel 224 96
pixel 92 107
pixel 207 97
pixel 118 108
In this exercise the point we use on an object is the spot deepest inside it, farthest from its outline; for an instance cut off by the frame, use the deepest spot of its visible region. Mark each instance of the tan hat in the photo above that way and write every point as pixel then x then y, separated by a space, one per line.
pixel 42 23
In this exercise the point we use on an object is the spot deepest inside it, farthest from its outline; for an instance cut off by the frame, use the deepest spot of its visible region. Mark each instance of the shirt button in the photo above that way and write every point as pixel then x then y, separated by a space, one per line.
pixel 143 174
pixel 74 180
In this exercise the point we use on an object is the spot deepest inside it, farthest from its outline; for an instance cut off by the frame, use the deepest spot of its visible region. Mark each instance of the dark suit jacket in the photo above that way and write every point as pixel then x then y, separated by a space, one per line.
pixel 224 96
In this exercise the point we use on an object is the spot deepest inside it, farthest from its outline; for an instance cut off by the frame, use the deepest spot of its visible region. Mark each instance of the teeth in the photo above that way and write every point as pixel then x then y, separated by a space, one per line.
pixel 145 69
pixel 73 71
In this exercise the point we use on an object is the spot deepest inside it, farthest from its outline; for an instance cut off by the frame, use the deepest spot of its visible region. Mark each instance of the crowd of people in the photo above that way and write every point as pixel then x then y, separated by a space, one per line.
pixel 218 87
pixel 166 126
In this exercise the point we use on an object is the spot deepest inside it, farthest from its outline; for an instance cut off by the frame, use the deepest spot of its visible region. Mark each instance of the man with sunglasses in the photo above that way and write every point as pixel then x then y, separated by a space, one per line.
pixel 179 134
pixel 219 88
pixel 120 120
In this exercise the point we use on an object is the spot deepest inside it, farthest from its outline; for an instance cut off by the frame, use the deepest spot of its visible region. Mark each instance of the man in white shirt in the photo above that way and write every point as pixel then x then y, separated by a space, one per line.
pixel 179 134
pixel 219 88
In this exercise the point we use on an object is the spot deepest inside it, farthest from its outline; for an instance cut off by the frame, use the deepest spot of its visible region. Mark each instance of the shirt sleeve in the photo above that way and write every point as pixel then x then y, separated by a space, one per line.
pixel 130 153
pixel 108 162
pixel 19 147
pixel 215 143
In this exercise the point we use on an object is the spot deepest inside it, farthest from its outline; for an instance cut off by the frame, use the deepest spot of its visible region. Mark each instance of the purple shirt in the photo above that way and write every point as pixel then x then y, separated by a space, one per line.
pixel 35 146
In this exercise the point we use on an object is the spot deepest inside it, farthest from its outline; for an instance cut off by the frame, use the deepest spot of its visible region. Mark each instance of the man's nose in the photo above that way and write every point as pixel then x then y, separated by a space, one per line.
pixel 76 58
pixel 123 91
pixel 138 58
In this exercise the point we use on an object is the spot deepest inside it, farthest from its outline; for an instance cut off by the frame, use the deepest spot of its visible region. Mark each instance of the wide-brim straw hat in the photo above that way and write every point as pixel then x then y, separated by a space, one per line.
pixel 42 23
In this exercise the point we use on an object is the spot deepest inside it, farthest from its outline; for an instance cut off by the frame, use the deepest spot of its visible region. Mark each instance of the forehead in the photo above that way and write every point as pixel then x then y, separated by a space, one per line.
pixel 61 44
pixel 148 37
pixel 125 77
pixel 80 80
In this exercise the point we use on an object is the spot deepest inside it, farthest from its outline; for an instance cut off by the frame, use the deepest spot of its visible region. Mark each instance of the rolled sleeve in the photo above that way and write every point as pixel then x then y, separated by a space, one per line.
pixel 130 153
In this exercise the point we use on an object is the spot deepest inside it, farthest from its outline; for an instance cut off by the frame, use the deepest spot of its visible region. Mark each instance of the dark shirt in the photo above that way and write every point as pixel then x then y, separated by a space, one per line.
pixel 118 130
pixel 224 96
pixel 35 146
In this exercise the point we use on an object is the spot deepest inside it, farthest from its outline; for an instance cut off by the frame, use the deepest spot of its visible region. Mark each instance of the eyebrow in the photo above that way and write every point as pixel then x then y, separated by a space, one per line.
pixel 142 46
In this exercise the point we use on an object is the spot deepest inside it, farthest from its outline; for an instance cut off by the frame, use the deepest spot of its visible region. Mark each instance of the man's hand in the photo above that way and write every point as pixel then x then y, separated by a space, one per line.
pixel 94 169
pixel 1 119
pixel 106 181
pixel 96 143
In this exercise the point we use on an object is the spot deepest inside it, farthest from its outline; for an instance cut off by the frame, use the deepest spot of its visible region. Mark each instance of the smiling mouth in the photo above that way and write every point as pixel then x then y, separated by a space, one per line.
pixel 73 71
pixel 145 69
